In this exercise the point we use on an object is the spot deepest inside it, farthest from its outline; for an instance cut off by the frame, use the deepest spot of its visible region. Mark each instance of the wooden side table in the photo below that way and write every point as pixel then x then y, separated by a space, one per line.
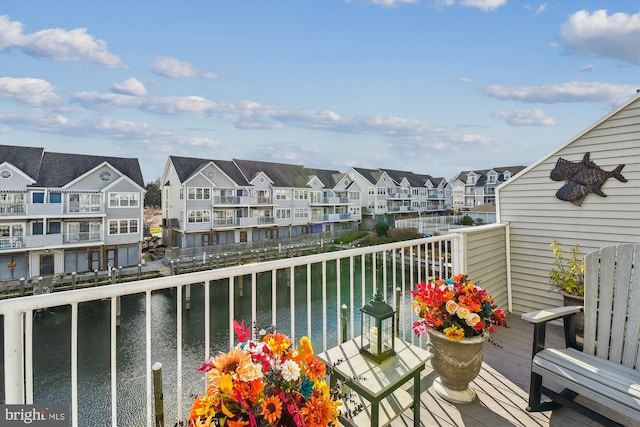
pixel 378 384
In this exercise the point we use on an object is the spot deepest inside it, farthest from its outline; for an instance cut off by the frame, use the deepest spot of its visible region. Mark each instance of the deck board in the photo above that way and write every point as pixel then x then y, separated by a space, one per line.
pixel 502 388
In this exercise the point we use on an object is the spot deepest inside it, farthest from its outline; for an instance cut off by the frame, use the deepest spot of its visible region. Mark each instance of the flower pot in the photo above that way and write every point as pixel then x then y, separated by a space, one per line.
pixel 569 299
pixel 457 363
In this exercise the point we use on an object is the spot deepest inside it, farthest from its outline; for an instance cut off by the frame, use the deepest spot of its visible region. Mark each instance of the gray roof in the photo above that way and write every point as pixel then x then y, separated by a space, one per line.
pixel 329 178
pixel 371 175
pixel 186 167
pixel 482 173
pixel 281 174
pixel 58 169
pixel 414 179
pixel 55 170
pixel 27 159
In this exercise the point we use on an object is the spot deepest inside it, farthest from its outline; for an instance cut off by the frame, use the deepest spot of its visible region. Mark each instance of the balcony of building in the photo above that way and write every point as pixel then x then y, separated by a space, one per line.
pixel 304 295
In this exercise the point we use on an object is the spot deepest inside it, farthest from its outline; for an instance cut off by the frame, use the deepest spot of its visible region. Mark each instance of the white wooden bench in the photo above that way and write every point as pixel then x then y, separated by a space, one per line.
pixel 606 367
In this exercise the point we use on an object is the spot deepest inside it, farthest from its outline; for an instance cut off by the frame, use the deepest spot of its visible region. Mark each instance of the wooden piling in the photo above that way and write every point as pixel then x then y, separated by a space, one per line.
pixel 157 393
pixel 118 311
pixel 187 297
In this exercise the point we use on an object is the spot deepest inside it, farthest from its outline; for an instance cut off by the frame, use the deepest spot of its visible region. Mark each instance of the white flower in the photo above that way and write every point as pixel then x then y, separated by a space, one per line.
pixel 290 370
pixel 463 312
pixel 451 306
pixel 250 372
pixel 473 319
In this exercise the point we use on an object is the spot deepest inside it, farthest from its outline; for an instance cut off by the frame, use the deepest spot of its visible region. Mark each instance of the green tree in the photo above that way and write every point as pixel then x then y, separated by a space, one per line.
pixel 466 220
pixel 382 228
pixel 153 197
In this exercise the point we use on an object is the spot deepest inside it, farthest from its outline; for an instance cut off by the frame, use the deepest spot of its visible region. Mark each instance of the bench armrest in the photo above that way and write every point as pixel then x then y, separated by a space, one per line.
pixel 546 315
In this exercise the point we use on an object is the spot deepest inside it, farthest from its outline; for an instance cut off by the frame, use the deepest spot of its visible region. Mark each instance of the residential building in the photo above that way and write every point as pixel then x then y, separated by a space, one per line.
pixel 478 187
pixel 386 192
pixel 214 202
pixel 64 213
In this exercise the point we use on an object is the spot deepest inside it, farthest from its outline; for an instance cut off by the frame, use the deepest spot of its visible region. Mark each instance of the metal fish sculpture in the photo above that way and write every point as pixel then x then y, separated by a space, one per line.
pixel 589 178
pixel 565 169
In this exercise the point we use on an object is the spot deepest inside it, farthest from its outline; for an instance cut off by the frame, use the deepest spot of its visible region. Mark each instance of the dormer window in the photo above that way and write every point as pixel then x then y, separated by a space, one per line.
pixel 507 175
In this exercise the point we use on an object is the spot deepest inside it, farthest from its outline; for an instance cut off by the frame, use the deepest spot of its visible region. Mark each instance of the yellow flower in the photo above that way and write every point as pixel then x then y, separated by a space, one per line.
pixel 226 384
pixel 454 333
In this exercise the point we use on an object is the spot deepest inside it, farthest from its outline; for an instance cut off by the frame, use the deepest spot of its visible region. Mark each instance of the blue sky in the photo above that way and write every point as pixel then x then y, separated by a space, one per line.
pixel 429 86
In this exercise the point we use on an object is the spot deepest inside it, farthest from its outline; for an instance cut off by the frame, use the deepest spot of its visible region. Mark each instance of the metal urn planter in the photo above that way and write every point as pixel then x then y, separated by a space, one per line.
pixel 457 363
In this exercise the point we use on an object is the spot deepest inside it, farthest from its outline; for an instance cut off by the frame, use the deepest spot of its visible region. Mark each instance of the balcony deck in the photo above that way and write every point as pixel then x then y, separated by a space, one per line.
pixel 502 388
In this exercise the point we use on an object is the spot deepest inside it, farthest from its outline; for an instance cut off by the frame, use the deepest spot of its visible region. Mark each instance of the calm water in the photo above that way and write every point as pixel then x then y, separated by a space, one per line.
pixel 52 377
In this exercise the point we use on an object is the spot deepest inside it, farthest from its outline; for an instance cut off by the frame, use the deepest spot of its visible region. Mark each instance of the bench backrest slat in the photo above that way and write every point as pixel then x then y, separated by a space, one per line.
pixel 612 304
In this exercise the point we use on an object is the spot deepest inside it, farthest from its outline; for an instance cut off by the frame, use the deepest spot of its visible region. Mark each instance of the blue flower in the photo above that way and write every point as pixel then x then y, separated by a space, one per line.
pixel 306 388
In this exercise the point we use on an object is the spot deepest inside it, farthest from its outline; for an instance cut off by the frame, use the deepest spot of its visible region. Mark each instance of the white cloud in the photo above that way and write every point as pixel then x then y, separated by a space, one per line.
pixel 531 117
pixel 587 68
pixel 600 34
pixel 175 69
pixel 484 5
pixel 574 91
pixel 386 3
pixel 57 44
pixel 130 86
pixel 469 139
pixel 542 8
pixel 36 92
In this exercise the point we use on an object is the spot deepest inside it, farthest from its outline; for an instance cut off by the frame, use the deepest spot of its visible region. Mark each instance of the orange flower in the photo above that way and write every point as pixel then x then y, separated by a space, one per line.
pixel 278 343
pixel 319 412
pixel 315 369
pixel 238 423
pixel 229 363
pixel 272 409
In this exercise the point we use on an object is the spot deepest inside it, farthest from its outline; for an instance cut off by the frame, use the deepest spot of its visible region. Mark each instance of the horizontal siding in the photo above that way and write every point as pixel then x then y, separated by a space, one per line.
pixel 536 217
pixel 486 261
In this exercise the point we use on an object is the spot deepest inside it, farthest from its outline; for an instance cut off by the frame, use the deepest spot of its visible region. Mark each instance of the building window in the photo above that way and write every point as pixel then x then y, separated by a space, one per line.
pixel 82 202
pixel 105 175
pixel 283 213
pixel 123 226
pixel 301 213
pixel 199 216
pixel 54 227
pixel 5 174
pixel 354 195
pixel 300 195
pixel 283 194
pixel 211 174
pixel 197 193
pixel 77 231
pixel 124 200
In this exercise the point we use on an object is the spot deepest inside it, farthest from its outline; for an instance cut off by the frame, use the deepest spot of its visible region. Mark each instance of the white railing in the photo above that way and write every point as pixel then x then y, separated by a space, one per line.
pixel 415 260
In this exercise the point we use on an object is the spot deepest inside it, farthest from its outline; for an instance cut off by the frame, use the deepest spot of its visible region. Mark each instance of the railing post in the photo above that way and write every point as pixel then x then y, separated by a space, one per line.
pixel 95 276
pixel 139 271
pixel 13 359
pixel 113 275
pixel 74 279
pixel 22 285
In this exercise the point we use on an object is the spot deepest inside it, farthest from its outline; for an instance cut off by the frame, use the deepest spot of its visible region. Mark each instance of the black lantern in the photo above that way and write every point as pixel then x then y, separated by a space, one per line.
pixel 378 324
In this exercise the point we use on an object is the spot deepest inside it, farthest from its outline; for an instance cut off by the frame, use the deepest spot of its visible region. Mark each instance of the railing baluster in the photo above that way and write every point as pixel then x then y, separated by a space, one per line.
pixel 28 356
pixel 147 305
pixel 74 364
pixel 114 383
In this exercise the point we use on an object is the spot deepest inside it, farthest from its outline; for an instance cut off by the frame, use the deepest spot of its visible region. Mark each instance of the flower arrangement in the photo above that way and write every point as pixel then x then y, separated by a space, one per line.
pixel 266 382
pixel 456 307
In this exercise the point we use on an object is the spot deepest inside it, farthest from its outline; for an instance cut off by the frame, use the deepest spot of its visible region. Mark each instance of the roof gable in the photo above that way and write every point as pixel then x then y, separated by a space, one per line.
pixel 27 159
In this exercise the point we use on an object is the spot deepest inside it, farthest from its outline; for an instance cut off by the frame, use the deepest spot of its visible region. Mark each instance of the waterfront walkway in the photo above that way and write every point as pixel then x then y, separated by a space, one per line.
pixel 502 388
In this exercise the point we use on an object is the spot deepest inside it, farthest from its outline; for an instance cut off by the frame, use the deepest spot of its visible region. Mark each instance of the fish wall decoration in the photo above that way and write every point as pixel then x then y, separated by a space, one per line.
pixel 582 178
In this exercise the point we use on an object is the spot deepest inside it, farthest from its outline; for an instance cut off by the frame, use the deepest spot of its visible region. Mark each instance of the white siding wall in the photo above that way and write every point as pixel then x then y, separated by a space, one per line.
pixel 537 217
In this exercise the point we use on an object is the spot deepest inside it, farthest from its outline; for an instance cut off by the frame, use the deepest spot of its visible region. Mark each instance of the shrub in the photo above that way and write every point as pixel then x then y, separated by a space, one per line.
pixel 382 228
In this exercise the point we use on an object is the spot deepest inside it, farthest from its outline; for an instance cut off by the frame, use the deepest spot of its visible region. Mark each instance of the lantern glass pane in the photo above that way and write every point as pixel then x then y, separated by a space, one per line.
pixel 369 333
pixel 387 334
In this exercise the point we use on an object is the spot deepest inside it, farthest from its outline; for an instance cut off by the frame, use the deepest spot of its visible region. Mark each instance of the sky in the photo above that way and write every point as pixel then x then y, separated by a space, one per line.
pixel 428 86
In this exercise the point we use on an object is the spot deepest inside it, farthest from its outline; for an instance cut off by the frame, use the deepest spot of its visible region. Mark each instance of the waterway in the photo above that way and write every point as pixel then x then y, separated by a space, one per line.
pixel 52 346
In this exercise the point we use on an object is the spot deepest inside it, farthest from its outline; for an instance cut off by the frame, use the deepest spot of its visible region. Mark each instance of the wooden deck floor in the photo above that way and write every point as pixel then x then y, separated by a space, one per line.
pixel 502 388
